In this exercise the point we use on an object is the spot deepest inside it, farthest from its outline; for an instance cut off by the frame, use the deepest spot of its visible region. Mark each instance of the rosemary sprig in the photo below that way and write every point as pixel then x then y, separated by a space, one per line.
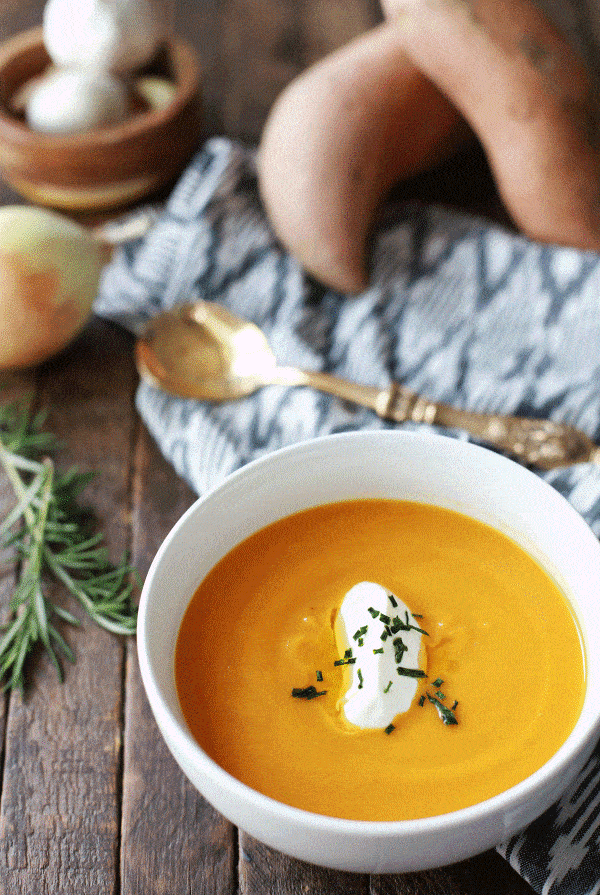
pixel 53 538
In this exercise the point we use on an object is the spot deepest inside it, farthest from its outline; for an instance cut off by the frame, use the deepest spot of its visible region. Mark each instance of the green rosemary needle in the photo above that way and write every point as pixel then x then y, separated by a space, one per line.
pixel 52 537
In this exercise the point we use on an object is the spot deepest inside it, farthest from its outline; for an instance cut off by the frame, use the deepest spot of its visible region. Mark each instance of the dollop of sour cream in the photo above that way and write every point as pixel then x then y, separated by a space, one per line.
pixel 384 636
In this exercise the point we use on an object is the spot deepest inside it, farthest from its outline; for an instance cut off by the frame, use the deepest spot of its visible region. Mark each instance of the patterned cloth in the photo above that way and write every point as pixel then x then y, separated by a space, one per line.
pixel 459 310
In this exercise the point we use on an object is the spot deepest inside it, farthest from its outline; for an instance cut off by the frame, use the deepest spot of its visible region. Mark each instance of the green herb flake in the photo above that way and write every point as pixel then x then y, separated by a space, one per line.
pixel 454 705
pixel 410 672
pixel 437 682
pixel 374 612
pixel 376 651
pixel 384 618
pixel 389 729
pixel 393 600
pixel 307 692
pixel 348 654
pixel 349 661
pixel 399 649
pixel 387 689
pixel 360 678
pixel 446 714
pixel 319 676
pixel 440 695
pixel 422 701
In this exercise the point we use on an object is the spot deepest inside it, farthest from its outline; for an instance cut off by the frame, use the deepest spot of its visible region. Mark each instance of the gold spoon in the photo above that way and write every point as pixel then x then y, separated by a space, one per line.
pixel 204 351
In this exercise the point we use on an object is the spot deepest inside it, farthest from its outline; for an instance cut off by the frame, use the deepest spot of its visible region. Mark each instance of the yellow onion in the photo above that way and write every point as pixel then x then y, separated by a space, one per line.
pixel 49 273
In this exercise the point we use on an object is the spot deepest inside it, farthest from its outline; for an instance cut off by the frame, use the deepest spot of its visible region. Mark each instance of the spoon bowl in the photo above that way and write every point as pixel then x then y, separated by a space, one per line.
pixel 204 351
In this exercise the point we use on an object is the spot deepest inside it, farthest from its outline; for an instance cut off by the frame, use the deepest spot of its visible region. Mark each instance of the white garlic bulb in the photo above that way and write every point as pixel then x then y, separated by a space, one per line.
pixel 115 35
pixel 69 101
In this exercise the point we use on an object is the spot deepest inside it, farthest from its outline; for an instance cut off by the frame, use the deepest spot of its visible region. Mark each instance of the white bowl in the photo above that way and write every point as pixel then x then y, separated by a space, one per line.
pixel 426 468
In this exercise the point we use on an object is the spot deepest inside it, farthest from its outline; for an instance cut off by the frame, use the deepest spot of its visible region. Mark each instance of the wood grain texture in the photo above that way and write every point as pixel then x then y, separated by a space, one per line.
pixel 263 869
pixel 63 742
pixel 173 840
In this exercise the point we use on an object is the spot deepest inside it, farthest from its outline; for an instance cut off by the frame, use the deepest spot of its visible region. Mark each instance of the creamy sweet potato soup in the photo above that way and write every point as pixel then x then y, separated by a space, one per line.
pixel 262 678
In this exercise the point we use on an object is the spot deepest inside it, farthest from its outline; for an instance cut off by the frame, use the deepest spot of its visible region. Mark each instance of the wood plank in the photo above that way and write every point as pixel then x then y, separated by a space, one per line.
pixel 267 36
pixel 328 26
pixel 59 816
pixel 262 870
pixel 276 41
pixel 486 874
pixel 13 387
pixel 173 840
pixel 19 15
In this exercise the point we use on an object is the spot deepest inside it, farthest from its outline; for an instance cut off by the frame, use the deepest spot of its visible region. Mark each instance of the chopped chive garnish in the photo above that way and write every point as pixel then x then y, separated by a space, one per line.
pixel 360 633
pixel 399 653
pixel 386 689
pixel 410 672
pixel 422 701
pixel 319 676
pixel 348 661
pixel 389 728
pixel 384 618
pixel 437 682
pixel 446 714
pixel 360 678
pixel 399 649
pixel 454 705
pixel 384 635
pixel 374 612
pixel 307 692
pixel 380 650
pixel 440 695
pixel 393 600
pixel 347 654
pixel 416 615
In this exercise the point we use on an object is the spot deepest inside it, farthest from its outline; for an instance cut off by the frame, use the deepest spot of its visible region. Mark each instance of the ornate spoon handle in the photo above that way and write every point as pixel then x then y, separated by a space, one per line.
pixel 540 443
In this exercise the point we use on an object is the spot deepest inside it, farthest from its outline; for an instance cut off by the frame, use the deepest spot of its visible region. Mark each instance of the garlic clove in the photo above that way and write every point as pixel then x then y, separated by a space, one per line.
pixel 114 35
pixel 68 101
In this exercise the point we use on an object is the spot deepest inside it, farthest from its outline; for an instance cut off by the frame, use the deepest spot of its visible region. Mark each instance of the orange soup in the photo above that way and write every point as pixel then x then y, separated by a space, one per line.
pixel 504 655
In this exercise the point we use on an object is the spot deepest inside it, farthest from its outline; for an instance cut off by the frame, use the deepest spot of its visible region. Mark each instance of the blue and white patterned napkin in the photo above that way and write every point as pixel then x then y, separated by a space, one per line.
pixel 458 309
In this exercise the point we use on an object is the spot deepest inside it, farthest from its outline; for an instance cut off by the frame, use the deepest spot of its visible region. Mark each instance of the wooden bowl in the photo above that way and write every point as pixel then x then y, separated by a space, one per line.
pixel 106 168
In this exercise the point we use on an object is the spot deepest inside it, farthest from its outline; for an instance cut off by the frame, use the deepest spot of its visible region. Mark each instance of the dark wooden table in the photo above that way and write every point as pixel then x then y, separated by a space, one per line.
pixel 92 803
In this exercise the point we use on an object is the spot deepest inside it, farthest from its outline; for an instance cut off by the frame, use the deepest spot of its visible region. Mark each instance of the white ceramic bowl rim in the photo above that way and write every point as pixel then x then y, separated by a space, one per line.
pixel 585 733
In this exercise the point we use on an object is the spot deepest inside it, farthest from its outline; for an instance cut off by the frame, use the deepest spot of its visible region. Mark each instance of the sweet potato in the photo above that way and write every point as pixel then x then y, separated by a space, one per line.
pixel 336 140
pixel 529 99
pixel 392 102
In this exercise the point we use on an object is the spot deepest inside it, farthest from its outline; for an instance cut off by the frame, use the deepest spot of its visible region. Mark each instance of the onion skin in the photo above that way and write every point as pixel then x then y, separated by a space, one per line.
pixel 338 137
pixel 49 273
